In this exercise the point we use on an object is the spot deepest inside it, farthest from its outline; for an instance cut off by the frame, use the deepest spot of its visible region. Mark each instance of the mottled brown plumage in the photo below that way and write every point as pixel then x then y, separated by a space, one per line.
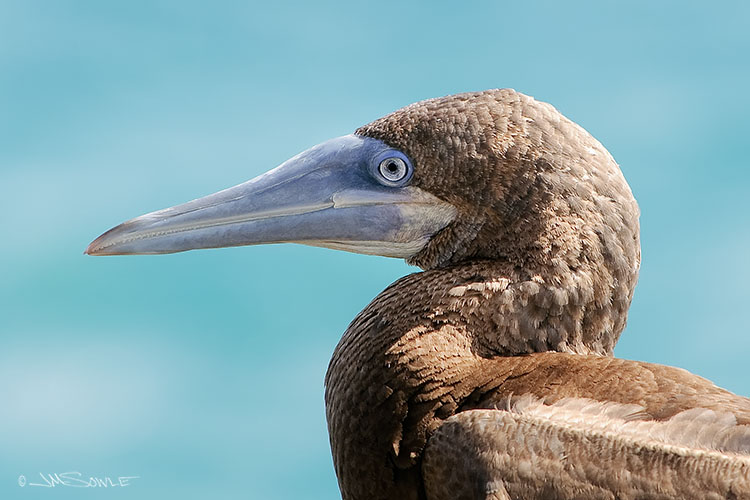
pixel 549 451
pixel 490 374
pixel 543 256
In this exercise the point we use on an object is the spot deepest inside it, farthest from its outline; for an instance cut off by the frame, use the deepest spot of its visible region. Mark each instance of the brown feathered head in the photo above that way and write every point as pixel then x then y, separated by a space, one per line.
pixel 528 185
pixel 491 175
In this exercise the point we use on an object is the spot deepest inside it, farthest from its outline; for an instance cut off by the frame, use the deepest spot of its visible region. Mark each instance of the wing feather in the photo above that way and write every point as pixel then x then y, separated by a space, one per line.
pixel 580 448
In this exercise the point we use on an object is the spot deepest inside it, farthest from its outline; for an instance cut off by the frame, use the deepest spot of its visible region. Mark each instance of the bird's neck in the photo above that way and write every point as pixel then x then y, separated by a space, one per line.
pixel 406 361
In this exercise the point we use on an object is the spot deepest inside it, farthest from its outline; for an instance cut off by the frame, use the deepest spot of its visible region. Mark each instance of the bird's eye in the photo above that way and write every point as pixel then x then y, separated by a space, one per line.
pixel 393 169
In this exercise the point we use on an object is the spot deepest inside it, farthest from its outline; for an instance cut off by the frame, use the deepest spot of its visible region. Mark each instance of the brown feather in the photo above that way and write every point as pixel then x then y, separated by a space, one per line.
pixel 525 293
pixel 548 452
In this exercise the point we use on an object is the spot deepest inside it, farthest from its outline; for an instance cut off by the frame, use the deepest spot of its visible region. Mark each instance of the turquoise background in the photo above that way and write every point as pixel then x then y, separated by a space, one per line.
pixel 202 372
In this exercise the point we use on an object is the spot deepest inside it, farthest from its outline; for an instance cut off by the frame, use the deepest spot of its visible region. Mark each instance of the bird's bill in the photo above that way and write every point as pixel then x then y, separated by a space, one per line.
pixel 325 196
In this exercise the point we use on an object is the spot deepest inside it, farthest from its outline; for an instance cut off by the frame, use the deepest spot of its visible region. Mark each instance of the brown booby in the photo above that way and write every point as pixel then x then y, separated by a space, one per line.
pixel 490 374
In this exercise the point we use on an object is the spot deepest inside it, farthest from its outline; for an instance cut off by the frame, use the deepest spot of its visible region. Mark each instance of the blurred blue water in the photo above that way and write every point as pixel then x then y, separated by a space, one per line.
pixel 202 373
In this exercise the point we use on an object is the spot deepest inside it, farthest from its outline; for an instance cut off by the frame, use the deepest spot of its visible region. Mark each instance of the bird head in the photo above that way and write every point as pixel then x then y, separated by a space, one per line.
pixel 486 175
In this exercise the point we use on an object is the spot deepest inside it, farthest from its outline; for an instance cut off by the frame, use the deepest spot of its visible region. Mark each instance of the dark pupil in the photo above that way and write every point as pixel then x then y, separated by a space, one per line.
pixel 392 167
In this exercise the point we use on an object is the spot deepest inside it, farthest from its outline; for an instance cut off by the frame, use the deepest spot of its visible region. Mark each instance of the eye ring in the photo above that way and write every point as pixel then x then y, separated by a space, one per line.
pixel 393 169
